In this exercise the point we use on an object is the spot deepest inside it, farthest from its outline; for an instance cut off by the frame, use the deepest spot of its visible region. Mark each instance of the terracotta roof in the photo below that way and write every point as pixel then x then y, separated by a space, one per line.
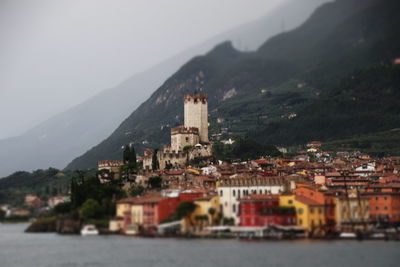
pixel 389 185
pixel 129 200
pixel 262 161
pixel 308 201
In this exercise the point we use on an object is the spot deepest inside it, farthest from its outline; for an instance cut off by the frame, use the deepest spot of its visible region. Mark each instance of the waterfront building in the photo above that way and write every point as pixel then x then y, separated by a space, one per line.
pixel 207 213
pixel 232 190
pixel 384 203
pixel 310 214
pixel 352 212
pixel 264 210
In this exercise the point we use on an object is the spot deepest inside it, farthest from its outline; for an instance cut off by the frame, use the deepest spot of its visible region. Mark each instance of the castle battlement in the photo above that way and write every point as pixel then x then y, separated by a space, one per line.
pixel 184 130
pixel 199 98
pixel 110 163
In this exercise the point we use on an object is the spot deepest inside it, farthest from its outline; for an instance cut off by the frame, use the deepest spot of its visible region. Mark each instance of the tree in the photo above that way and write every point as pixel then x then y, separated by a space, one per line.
pixel 54 191
pixel 155 182
pixel 105 174
pixel 126 155
pixel 62 208
pixel 212 212
pixel 185 208
pixel 132 158
pixel 228 221
pixel 2 214
pixel 124 172
pixel 136 191
pixel 91 209
pixel 155 165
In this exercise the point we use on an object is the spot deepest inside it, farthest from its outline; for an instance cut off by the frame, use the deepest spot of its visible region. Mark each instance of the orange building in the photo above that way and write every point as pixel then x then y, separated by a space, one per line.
pixel 384 203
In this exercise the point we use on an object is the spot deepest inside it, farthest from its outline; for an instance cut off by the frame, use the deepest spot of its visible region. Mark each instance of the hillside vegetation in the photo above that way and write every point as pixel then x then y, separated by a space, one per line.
pixel 323 80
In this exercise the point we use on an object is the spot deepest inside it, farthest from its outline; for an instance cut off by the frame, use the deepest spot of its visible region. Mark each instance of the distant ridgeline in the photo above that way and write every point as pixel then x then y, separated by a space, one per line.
pixel 331 78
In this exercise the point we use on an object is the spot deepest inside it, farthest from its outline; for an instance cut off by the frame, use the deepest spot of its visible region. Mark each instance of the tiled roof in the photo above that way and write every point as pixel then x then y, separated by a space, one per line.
pixel 308 201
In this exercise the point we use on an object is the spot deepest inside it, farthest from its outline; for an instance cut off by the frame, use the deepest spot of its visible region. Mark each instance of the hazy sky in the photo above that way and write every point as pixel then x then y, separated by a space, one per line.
pixel 56 53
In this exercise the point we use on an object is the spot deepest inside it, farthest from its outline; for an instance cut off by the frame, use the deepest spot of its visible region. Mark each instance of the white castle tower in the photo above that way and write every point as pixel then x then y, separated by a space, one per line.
pixel 196 114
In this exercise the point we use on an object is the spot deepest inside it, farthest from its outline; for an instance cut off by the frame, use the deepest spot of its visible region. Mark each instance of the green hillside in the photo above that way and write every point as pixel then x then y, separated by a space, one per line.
pixel 44 183
pixel 377 144
pixel 261 92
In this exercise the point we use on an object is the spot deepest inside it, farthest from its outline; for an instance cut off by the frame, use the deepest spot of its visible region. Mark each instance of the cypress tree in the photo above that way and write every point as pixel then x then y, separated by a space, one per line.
pixel 155 165
pixel 132 158
pixel 126 154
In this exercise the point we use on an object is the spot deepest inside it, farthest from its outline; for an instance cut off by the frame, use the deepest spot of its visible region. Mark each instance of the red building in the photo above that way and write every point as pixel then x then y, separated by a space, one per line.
pixel 156 209
pixel 264 210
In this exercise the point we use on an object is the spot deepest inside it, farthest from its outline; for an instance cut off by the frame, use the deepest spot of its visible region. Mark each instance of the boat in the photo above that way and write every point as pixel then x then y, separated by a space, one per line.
pixel 348 235
pixel 89 229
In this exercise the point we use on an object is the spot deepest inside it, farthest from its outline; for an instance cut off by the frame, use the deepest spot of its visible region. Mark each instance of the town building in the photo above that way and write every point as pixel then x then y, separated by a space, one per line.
pixel 384 203
pixel 264 210
pixel 232 190
pixel 310 214
pixel 352 212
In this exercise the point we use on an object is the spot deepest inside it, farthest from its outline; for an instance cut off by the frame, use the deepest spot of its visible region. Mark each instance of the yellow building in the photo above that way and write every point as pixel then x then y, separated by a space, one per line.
pixel 124 206
pixel 137 214
pixel 310 214
pixel 207 213
pixel 129 213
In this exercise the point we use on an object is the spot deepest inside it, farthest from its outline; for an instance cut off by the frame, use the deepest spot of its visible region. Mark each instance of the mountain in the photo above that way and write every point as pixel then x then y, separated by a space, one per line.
pixel 256 91
pixel 60 139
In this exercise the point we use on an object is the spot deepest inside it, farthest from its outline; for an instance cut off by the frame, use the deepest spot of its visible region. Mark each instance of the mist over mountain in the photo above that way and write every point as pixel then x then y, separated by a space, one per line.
pixel 262 93
pixel 60 139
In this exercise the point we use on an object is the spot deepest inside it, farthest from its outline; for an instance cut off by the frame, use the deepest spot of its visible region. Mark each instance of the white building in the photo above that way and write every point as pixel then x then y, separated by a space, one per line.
pixel 231 190
pixel 365 170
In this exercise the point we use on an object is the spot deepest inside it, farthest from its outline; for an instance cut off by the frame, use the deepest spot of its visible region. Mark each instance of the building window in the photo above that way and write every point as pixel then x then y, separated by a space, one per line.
pixel 385 198
pixel 300 221
pixel 300 211
pixel 234 192
pixel 238 193
pixel 290 201
pixel 260 191
pixel 187 139
pixel 385 207
pixel 319 210
pixel 311 210
pixel 233 207
pixel 376 198
pixel 377 208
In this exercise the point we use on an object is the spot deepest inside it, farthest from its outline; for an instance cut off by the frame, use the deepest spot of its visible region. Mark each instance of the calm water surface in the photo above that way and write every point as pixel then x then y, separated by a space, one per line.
pixel 18 249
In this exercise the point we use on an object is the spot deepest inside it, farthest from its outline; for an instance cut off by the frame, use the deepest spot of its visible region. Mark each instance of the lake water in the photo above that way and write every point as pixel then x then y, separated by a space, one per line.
pixel 18 249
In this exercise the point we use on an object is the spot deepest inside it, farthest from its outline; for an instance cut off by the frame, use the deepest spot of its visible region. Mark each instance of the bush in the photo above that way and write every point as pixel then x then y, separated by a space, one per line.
pixel 62 208
pixel 91 209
